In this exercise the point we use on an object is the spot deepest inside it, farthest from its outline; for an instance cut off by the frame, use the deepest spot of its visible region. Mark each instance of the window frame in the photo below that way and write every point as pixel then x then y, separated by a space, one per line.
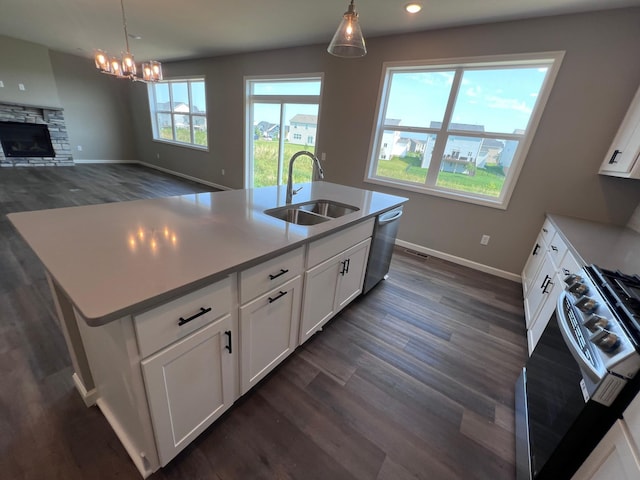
pixel 251 98
pixel 155 111
pixel 552 60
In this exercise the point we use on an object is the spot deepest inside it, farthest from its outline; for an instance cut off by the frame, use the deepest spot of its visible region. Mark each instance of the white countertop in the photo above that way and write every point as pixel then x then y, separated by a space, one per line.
pixel 608 246
pixel 117 258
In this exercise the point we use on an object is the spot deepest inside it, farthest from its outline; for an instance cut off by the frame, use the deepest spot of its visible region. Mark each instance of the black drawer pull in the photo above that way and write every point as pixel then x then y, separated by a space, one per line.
pixel 535 250
pixel 282 272
pixel 228 345
pixel 280 295
pixel 613 157
pixel 547 278
pixel 554 248
pixel 348 261
pixel 199 314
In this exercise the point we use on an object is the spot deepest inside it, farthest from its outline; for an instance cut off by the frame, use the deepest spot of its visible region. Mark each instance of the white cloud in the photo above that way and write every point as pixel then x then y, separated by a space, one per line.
pixel 507 104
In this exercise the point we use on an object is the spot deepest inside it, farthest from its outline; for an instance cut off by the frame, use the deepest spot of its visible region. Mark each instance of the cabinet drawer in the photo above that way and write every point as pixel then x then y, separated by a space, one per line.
pixel 268 275
pixel 329 246
pixel 547 232
pixel 160 327
pixel 557 250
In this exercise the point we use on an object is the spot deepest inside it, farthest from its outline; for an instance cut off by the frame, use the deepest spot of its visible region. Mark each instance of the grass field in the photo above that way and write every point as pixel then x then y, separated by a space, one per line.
pixel 183 135
pixel 265 159
pixel 483 182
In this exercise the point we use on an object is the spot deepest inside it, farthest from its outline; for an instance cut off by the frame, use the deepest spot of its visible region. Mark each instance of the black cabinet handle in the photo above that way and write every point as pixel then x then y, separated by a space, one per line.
pixel 545 230
pixel 228 345
pixel 199 314
pixel 554 248
pixel 344 267
pixel 544 290
pixel 535 250
pixel 547 278
pixel 348 260
pixel 282 272
pixel 280 295
pixel 613 157
pixel 566 271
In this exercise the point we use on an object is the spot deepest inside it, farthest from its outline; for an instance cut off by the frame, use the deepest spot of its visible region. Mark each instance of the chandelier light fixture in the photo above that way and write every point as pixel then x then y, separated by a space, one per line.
pixel 348 42
pixel 126 66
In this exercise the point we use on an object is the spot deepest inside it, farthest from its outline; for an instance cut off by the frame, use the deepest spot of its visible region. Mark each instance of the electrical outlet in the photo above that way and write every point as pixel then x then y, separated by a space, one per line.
pixel 222 172
pixel 485 240
pixel 158 156
pixel 1 84
pixel 21 87
pixel 323 156
pixel 79 147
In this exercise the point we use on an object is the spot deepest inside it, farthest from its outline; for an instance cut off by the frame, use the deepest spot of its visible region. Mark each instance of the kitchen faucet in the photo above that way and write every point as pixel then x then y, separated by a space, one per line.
pixel 316 162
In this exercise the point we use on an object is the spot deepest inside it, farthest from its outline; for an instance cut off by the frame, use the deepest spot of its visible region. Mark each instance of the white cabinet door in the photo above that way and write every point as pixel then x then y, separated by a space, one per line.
pixel 189 384
pixel 613 458
pixel 531 268
pixel 622 158
pixel 353 267
pixel 268 331
pixel 320 284
pixel 539 290
pixel 330 286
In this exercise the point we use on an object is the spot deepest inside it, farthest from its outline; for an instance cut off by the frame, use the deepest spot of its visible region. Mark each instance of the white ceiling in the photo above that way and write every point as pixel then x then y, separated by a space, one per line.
pixel 173 29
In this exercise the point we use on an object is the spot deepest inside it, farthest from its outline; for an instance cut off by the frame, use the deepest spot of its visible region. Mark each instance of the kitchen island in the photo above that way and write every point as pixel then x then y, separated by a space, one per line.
pixel 173 307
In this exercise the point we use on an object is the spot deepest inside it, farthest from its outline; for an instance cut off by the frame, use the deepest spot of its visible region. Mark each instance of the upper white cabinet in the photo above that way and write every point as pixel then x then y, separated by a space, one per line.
pixel 622 158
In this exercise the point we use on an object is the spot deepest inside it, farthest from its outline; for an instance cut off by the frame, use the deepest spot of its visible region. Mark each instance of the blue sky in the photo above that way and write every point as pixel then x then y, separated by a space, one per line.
pixel 499 99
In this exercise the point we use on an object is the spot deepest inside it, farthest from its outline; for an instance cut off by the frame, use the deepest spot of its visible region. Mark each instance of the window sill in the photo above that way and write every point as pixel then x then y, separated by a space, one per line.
pixel 451 195
pixel 200 148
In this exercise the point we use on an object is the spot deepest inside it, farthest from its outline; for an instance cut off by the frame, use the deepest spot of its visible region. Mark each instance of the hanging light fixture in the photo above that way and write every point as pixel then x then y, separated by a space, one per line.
pixel 348 41
pixel 126 67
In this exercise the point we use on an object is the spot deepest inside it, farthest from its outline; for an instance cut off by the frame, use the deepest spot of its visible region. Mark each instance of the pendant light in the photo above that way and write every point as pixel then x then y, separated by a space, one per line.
pixel 348 41
pixel 126 68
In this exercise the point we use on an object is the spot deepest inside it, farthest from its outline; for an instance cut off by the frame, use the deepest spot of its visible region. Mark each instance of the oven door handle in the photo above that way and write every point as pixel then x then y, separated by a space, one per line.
pixel 563 322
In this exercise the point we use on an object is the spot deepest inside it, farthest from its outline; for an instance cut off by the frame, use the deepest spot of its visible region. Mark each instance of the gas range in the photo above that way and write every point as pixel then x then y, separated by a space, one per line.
pixel 603 312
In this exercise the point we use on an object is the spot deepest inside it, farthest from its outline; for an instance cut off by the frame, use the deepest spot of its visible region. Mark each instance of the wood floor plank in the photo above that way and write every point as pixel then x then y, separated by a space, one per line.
pixel 413 380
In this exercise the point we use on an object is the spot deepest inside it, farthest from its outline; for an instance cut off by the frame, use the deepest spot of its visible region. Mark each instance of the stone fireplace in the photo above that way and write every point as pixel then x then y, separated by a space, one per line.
pixel 39 153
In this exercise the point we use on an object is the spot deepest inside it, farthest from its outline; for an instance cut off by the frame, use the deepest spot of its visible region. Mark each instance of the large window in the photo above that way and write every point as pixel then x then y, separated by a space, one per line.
pixel 179 112
pixel 282 118
pixel 461 129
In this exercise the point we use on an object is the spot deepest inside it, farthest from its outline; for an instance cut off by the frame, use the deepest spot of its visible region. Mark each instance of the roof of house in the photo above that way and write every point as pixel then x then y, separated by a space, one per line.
pixel 459 126
pixel 392 121
pixel 305 118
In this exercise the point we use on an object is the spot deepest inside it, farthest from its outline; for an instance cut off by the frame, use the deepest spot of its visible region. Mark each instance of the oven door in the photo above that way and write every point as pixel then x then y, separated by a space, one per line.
pixel 559 410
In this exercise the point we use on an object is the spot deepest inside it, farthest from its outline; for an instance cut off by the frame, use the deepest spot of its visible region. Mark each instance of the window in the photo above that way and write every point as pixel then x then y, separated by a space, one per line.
pixel 461 129
pixel 179 112
pixel 282 119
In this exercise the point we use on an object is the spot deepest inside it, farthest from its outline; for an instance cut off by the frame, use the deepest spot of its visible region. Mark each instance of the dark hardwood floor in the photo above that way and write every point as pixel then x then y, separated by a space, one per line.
pixel 414 380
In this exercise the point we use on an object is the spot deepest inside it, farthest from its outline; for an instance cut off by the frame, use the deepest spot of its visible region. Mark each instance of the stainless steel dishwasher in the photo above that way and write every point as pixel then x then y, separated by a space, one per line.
pixel 384 237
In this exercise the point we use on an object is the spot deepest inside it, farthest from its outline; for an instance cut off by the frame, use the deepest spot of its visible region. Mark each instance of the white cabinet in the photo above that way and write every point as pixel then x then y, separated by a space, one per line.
pixel 189 385
pixel 622 158
pixel 615 457
pixel 268 331
pixel 331 285
pixel 542 280
pixel 188 350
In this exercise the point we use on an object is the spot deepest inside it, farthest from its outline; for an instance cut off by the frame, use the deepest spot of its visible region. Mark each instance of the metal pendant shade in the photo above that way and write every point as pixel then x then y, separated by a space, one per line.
pixel 348 41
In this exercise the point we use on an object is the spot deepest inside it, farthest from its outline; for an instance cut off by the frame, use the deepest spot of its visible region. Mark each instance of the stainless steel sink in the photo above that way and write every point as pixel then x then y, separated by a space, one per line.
pixel 328 208
pixel 311 213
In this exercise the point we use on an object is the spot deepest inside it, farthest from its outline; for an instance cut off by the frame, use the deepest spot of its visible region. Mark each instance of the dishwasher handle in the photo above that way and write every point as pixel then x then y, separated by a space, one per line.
pixel 389 217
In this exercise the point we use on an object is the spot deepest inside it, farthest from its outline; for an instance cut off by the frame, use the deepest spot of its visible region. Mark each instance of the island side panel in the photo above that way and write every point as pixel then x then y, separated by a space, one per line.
pixel 82 377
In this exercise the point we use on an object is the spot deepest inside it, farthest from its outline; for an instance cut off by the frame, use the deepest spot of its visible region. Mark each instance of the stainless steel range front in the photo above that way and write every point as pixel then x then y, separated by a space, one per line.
pixel 581 375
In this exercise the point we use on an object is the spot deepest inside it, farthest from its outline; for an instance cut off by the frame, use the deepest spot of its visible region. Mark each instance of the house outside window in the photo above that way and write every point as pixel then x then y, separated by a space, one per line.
pixel 461 128
pixel 179 112
pixel 282 115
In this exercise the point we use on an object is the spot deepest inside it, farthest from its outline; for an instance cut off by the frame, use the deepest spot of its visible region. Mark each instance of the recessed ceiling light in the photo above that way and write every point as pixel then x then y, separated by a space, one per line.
pixel 413 7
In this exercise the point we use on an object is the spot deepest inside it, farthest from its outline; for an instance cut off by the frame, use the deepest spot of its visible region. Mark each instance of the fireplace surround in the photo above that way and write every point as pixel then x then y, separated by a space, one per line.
pixel 53 119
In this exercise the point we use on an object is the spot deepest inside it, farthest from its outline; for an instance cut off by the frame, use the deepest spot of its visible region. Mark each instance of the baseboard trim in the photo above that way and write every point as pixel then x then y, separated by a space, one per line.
pixel 187 177
pixel 88 397
pixel 75 160
pixel 460 261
